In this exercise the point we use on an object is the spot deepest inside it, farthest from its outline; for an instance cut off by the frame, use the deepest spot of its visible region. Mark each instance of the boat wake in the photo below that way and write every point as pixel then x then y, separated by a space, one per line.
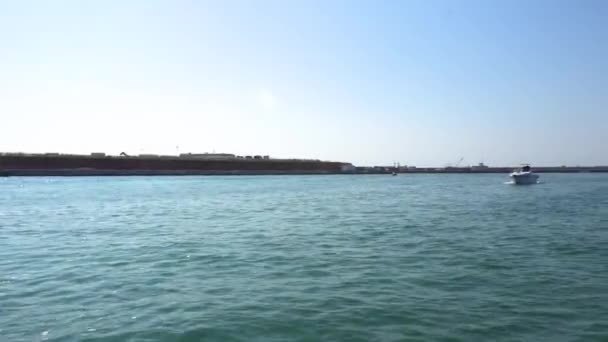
pixel 513 183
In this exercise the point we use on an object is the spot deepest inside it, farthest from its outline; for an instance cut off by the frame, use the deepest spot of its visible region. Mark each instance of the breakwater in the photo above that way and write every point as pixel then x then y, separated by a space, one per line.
pixel 153 165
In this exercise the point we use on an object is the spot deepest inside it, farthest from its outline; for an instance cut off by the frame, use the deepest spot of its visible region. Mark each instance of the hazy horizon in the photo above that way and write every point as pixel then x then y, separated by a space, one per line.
pixel 421 83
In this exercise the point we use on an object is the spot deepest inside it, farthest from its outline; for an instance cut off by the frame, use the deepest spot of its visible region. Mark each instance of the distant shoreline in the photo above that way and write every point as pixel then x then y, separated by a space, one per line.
pixel 223 164
pixel 475 170
pixel 100 164
pixel 82 172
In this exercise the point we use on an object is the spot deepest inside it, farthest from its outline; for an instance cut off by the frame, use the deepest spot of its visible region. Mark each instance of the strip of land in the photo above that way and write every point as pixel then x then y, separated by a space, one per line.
pixel 188 164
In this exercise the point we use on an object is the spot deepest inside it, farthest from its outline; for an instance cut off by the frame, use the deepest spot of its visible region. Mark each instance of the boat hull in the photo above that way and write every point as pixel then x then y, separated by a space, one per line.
pixel 524 178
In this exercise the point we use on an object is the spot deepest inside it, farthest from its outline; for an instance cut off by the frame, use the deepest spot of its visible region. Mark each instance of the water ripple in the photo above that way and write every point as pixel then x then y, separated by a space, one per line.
pixel 357 258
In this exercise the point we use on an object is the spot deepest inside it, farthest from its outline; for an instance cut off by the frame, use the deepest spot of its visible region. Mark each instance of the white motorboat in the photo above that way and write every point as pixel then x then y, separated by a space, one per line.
pixel 524 176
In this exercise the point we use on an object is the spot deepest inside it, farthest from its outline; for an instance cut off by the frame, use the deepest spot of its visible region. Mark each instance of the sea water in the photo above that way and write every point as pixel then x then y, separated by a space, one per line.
pixel 304 258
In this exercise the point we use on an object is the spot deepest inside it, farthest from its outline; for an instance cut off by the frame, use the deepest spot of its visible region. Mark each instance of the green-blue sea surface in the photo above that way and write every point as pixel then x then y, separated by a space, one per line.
pixel 304 258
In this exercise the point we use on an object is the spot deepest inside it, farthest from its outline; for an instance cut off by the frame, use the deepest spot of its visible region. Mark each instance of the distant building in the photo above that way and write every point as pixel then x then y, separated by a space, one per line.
pixel 480 166
pixel 98 154
pixel 208 155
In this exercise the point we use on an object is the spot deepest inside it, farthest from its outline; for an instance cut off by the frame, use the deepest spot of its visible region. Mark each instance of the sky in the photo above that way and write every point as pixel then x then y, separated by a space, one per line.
pixel 421 83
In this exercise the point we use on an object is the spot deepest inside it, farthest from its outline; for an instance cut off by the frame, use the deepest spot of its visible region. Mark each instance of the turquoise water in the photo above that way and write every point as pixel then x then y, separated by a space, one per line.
pixel 304 258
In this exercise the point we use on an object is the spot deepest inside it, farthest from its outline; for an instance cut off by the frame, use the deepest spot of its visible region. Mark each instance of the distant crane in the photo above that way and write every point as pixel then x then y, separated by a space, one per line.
pixel 455 164
pixel 459 161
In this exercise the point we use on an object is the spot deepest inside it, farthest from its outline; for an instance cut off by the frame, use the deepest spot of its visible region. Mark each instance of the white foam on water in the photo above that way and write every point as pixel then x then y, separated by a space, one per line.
pixel 513 183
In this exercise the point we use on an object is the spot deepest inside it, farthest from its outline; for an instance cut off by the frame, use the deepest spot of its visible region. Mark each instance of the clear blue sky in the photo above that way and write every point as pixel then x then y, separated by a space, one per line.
pixel 371 82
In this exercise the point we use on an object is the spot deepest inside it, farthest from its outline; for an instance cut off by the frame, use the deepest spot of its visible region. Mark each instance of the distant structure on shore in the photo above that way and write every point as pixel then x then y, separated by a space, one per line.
pixel 99 163
pixel 479 168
